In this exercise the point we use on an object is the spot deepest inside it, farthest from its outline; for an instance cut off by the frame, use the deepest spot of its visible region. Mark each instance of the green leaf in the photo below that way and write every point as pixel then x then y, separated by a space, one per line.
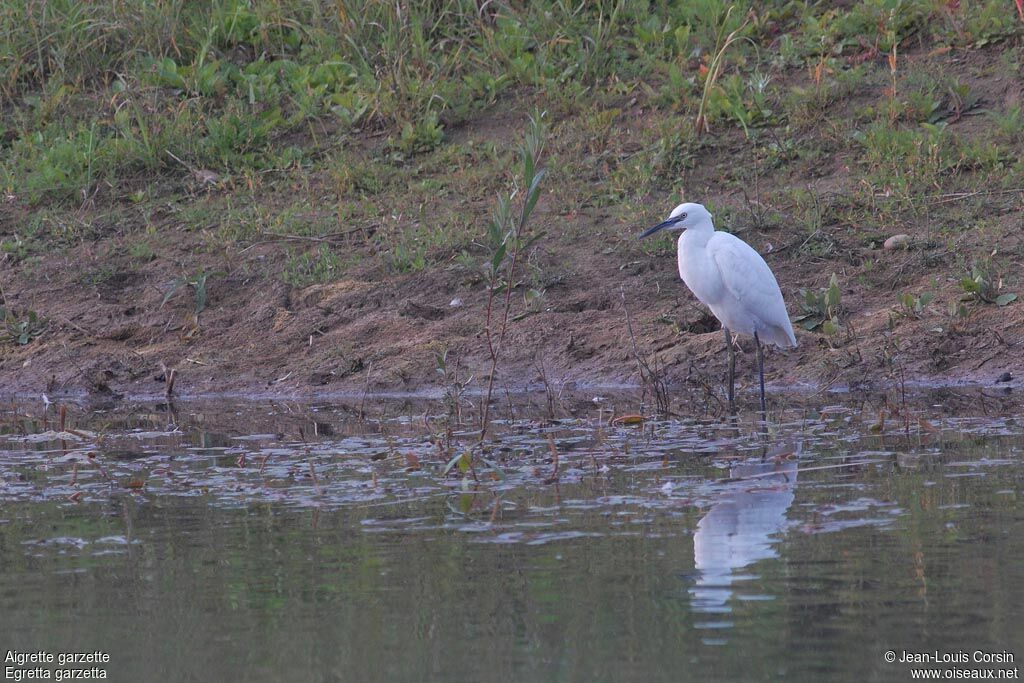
pixel 682 37
pixel 523 316
pixel 532 196
pixel 1004 299
pixel 200 285
pixel 175 286
pixel 499 256
pixel 463 460
pixel 833 293
pixel 451 464
pixel 832 299
pixel 494 231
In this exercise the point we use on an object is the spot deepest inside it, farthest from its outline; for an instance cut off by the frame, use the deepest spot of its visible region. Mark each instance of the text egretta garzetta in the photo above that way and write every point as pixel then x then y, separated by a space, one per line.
pixel 728 276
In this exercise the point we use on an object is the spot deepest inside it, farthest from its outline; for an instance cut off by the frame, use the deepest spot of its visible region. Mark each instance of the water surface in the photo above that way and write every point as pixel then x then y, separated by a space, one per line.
pixel 277 541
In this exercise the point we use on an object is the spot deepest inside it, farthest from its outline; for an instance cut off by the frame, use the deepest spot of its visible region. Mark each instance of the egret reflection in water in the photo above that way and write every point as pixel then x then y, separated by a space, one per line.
pixel 737 531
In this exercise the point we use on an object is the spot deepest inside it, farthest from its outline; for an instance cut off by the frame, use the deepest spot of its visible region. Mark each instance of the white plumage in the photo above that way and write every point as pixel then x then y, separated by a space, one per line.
pixel 728 276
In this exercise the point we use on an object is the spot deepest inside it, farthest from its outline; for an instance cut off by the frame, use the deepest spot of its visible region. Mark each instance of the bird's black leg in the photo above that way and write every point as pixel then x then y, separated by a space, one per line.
pixel 732 368
pixel 760 371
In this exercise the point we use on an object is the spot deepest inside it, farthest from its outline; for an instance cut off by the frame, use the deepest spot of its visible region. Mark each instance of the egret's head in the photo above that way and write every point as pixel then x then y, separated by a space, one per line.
pixel 683 216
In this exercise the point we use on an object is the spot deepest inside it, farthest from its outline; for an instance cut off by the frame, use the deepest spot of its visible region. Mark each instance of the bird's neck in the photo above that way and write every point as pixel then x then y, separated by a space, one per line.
pixel 697 236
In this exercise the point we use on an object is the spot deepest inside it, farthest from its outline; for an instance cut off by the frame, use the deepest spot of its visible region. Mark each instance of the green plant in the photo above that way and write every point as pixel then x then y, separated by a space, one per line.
pixel 821 309
pixel 909 160
pixel 961 99
pixel 18 248
pixel 882 24
pixel 351 106
pixel 197 283
pixel 420 136
pixel 141 251
pixel 21 328
pixel 913 306
pixel 722 43
pixel 454 385
pixel 678 88
pixel 978 286
pixel 305 268
pixel 990 22
pixel 923 106
pixel 660 39
pixel 672 151
pixel 408 257
pixel 744 101
pixel 507 238
pixel 486 86
pixel 1009 123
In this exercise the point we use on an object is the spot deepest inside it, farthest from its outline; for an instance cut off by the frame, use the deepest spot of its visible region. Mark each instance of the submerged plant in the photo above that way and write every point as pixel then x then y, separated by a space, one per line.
pixel 454 385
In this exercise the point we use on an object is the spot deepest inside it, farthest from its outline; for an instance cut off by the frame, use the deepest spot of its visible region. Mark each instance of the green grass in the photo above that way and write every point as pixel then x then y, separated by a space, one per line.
pixel 303 268
pixel 379 112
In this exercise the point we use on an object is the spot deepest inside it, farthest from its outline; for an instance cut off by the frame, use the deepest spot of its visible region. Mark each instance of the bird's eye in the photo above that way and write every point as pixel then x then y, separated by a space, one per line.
pixel 682 216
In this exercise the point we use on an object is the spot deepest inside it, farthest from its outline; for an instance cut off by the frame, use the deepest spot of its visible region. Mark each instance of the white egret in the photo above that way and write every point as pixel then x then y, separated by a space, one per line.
pixel 728 276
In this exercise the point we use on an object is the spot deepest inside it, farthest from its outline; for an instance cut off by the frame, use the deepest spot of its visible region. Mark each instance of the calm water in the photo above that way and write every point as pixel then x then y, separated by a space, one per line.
pixel 277 541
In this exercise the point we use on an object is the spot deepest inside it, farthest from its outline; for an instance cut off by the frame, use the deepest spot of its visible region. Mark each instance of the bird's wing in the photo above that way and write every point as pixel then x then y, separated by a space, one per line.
pixel 748 278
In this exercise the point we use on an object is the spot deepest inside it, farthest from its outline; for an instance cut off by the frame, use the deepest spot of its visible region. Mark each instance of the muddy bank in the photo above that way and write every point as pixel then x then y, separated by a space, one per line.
pixel 372 334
